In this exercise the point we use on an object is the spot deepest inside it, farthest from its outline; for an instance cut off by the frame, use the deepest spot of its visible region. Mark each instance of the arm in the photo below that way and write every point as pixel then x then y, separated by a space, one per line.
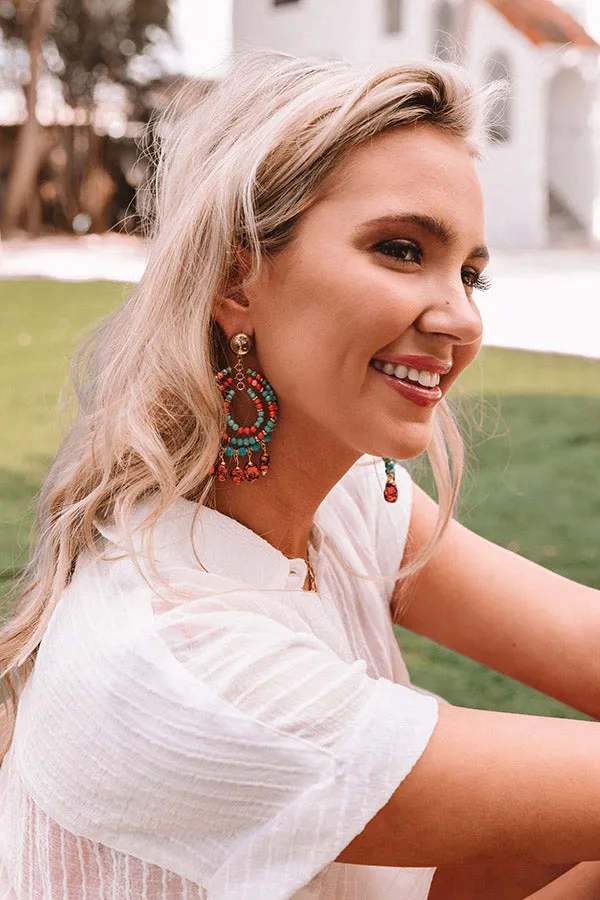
pixel 506 612
pixel 516 879
pixel 580 883
pixel 489 786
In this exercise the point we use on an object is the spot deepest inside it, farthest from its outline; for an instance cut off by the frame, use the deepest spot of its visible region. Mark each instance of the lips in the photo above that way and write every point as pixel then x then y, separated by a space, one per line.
pixel 419 394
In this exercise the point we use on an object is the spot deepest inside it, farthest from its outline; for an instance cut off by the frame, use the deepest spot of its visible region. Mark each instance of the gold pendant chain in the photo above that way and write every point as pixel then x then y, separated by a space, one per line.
pixel 312 578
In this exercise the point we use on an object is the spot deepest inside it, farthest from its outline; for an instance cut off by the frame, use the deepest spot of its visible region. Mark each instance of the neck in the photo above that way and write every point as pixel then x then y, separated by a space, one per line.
pixel 281 506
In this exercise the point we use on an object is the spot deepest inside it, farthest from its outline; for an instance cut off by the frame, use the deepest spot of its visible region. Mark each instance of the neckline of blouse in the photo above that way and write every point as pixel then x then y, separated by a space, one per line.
pixel 186 534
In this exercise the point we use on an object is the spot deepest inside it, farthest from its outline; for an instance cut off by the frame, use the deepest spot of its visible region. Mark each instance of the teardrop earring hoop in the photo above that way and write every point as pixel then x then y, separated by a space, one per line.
pixel 239 442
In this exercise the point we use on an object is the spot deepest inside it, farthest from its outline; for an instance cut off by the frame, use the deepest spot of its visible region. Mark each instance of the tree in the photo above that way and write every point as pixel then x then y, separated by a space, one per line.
pixel 85 45
pixel 33 19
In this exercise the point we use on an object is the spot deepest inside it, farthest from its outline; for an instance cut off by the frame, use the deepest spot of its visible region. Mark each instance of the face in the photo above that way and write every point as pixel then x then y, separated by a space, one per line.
pixel 366 318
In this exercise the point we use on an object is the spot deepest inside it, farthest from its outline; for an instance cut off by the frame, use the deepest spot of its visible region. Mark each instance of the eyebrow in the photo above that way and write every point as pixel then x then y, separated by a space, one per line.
pixel 438 229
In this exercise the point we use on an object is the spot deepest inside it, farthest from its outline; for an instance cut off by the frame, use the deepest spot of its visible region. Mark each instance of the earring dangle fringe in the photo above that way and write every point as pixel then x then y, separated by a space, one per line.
pixel 390 491
pixel 245 440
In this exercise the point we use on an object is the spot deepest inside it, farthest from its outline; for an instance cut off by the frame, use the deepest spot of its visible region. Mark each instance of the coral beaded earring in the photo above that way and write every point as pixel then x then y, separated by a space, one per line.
pixel 237 447
pixel 390 491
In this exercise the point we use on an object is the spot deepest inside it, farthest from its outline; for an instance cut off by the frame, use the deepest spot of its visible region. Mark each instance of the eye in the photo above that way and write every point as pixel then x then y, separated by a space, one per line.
pixel 476 280
pixel 402 251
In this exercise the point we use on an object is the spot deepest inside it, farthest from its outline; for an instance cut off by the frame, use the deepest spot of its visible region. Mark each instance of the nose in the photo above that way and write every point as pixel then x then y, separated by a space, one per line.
pixel 454 315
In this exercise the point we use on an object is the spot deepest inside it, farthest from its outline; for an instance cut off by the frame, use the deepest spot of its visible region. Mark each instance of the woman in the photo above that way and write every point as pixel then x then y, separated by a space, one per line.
pixel 218 707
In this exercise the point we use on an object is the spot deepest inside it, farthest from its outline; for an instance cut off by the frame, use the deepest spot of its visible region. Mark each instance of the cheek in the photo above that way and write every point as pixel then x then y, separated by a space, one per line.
pixel 361 305
pixel 464 355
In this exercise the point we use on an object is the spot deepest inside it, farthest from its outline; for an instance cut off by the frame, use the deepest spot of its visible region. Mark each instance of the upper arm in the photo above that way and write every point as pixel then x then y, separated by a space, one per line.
pixel 505 611
pixel 488 786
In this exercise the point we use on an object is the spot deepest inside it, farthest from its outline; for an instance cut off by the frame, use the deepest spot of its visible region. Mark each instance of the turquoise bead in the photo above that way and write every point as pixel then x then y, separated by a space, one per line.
pixel 243 451
pixel 229 451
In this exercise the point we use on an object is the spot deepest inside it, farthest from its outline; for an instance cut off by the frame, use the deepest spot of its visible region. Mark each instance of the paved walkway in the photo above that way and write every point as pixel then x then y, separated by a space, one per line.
pixel 546 300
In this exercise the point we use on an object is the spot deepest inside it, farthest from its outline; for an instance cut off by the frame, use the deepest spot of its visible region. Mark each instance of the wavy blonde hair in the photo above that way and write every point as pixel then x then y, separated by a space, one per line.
pixel 236 169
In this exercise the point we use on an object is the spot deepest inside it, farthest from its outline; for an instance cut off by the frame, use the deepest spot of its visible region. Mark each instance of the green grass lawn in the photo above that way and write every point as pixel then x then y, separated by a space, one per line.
pixel 532 423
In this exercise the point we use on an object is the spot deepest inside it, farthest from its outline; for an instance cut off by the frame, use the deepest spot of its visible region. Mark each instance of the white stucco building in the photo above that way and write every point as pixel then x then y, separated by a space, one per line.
pixel 542 175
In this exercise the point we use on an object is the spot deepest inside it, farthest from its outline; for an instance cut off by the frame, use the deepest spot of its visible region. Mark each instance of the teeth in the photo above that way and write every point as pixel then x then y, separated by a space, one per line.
pixel 424 378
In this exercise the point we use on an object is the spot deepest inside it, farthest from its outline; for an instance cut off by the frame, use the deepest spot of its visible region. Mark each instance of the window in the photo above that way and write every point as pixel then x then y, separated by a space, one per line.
pixel 284 2
pixel 393 12
pixel 499 122
pixel 444 25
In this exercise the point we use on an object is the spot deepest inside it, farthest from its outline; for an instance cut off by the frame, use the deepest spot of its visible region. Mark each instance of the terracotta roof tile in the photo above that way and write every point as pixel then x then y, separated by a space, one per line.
pixel 543 21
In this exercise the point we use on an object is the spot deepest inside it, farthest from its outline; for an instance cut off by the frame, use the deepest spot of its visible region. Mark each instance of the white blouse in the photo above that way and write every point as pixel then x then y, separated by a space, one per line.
pixel 218 733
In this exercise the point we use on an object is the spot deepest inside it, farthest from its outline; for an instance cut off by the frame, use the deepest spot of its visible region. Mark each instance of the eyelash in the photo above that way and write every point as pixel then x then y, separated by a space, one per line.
pixel 480 282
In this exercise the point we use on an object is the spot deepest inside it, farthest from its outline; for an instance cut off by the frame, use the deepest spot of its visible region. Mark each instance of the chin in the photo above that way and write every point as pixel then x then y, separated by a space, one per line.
pixel 414 440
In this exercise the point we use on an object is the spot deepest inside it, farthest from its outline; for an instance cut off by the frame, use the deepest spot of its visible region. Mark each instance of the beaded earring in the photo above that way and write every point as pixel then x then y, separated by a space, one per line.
pixel 246 439
pixel 390 491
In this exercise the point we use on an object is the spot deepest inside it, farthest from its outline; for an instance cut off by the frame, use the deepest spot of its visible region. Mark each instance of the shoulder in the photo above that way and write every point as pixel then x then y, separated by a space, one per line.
pixel 206 735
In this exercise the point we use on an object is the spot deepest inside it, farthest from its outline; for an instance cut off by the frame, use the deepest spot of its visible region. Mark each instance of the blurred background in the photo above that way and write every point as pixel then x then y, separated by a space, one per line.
pixel 80 84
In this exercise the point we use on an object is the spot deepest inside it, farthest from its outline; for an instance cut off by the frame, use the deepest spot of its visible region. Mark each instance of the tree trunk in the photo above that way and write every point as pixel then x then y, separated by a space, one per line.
pixel 31 144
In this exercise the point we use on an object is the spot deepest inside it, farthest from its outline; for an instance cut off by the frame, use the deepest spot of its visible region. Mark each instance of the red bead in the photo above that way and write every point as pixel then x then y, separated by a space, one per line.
pixel 260 435
pixel 251 472
pixel 390 493
pixel 253 429
pixel 236 475
pixel 222 471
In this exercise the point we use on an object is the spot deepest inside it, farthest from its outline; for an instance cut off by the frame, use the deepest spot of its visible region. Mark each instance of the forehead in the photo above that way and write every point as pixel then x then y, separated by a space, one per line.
pixel 420 168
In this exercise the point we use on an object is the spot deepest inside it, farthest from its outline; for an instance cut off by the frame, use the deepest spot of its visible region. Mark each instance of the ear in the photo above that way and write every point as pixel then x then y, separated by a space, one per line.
pixel 232 310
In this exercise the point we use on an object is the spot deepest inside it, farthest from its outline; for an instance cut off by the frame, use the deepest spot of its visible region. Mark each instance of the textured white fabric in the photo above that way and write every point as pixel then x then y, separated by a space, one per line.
pixel 223 735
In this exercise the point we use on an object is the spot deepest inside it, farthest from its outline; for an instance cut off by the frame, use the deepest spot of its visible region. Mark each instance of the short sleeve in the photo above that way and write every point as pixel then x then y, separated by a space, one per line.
pixel 225 747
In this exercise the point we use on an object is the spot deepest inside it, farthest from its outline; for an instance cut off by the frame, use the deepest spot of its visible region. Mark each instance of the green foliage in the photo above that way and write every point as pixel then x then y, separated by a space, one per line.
pixel 40 323
pixel 532 425
pixel 92 42
pixel 531 421
pixel 98 40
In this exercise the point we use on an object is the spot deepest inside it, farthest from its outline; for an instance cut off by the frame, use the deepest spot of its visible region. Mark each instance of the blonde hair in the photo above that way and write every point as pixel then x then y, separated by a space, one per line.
pixel 236 168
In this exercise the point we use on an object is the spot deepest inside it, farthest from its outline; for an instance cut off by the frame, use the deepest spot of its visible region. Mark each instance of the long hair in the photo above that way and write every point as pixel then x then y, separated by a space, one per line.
pixel 236 168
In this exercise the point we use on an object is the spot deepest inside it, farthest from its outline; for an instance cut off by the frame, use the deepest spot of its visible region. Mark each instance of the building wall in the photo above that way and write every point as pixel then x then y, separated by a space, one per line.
pixel 349 29
pixel 515 175
pixel 570 148
pixel 310 26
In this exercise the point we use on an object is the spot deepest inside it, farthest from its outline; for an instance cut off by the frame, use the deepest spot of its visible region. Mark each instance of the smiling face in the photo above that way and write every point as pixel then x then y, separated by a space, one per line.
pixel 381 271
